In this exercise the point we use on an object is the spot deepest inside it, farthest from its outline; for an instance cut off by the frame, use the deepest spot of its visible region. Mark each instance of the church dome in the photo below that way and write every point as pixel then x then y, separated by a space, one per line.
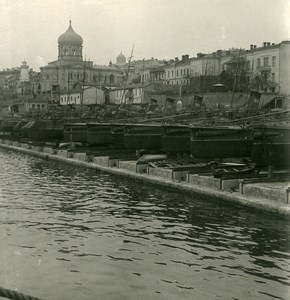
pixel 70 37
pixel 121 59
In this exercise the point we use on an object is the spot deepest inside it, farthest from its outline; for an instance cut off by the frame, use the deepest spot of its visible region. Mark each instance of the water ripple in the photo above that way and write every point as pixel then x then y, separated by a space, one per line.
pixel 81 234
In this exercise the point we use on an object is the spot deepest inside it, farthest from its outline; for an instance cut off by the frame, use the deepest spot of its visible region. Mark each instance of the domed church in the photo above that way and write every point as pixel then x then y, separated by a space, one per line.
pixel 70 45
pixel 121 59
pixel 70 70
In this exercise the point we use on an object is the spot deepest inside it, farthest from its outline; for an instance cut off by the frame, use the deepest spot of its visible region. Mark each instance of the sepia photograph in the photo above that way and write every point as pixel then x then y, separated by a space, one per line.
pixel 145 149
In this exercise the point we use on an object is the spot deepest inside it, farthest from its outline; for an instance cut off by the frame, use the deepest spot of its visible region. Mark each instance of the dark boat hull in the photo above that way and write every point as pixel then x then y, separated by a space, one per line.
pixel 117 135
pixel 176 139
pixel 211 143
pixel 75 133
pixel 143 137
pixel 44 131
pixel 99 134
pixel 271 146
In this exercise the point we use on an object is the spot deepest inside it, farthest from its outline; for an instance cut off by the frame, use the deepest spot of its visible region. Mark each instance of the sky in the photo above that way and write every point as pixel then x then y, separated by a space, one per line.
pixel 162 29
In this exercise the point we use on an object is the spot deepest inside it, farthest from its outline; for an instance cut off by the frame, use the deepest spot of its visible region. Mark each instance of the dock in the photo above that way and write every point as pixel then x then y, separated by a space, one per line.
pixel 261 193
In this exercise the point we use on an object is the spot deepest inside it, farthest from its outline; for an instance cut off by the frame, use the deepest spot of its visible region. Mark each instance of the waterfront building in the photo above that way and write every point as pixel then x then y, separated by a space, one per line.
pixel 269 67
pixel 9 79
pixel 88 95
pixel 178 71
pixel 70 69
pixel 128 95
pixel 92 95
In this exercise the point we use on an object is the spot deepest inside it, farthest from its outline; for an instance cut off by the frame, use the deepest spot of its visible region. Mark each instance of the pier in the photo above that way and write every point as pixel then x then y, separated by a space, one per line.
pixel 262 193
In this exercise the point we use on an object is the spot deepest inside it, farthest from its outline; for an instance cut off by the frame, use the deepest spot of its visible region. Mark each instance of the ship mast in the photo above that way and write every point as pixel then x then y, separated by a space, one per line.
pixel 129 64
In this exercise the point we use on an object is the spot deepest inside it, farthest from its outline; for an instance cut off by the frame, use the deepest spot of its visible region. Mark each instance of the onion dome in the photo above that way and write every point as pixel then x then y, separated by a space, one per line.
pixel 70 38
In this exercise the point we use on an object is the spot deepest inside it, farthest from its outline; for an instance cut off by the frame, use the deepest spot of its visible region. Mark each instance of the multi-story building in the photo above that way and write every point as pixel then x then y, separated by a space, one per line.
pixel 269 67
pixel 177 71
pixel 9 79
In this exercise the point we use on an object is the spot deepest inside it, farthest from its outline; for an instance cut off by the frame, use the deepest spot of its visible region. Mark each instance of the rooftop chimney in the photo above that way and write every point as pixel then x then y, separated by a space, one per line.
pixel 176 59
pixel 268 44
pixel 273 44
pixel 185 57
pixel 200 55
pixel 251 47
pixel 264 44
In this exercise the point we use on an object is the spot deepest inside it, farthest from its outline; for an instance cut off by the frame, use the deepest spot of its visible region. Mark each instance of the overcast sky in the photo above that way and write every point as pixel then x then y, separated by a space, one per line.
pixel 163 29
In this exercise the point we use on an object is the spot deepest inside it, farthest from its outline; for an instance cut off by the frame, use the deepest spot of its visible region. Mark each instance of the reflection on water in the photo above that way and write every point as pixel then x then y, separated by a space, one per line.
pixel 71 233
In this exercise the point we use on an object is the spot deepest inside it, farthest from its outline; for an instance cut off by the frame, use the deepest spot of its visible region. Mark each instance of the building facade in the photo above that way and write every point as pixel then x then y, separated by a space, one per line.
pixel 71 69
pixel 269 67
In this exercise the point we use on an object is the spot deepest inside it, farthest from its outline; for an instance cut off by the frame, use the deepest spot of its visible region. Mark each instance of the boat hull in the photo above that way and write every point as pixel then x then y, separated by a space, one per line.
pixel 211 143
pixel 142 137
pixel 99 134
pixel 75 133
pixel 43 131
pixel 271 146
pixel 176 139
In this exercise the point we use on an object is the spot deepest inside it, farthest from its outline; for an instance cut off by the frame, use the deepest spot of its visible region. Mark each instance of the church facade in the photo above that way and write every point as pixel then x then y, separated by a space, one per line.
pixel 71 70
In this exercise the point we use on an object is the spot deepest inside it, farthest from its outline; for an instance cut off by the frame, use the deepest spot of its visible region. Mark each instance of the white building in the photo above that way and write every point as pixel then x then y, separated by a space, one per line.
pixel 89 95
pixel 270 66
pixel 129 95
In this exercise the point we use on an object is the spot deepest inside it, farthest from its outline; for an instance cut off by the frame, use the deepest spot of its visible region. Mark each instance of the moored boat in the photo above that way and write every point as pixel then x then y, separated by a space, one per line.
pixel 142 136
pixel 271 145
pixel 43 131
pixel 18 127
pixel 117 135
pixel 220 142
pixel 99 134
pixel 176 139
pixel 7 127
pixel 75 132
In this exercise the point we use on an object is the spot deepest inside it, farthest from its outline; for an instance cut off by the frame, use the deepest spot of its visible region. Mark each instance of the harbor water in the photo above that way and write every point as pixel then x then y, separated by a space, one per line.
pixel 71 233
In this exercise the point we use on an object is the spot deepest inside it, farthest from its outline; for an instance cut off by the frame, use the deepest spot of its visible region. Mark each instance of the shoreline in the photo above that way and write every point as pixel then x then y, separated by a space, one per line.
pixel 189 187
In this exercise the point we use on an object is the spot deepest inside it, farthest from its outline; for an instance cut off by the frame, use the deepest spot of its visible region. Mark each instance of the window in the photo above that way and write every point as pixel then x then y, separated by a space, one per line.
pixel 176 72
pixel 33 106
pixel 172 73
pixel 253 64
pixel 273 77
pixel 266 61
pixel 258 62
pixel 168 74
pixel 42 105
pixel 273 61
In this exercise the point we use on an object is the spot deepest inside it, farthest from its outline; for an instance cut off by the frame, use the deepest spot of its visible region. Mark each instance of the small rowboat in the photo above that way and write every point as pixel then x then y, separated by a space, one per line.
pixel 232 169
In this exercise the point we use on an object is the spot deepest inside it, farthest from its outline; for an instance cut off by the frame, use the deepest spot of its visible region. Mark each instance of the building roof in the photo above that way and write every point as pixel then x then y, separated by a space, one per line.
pixel 70 38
